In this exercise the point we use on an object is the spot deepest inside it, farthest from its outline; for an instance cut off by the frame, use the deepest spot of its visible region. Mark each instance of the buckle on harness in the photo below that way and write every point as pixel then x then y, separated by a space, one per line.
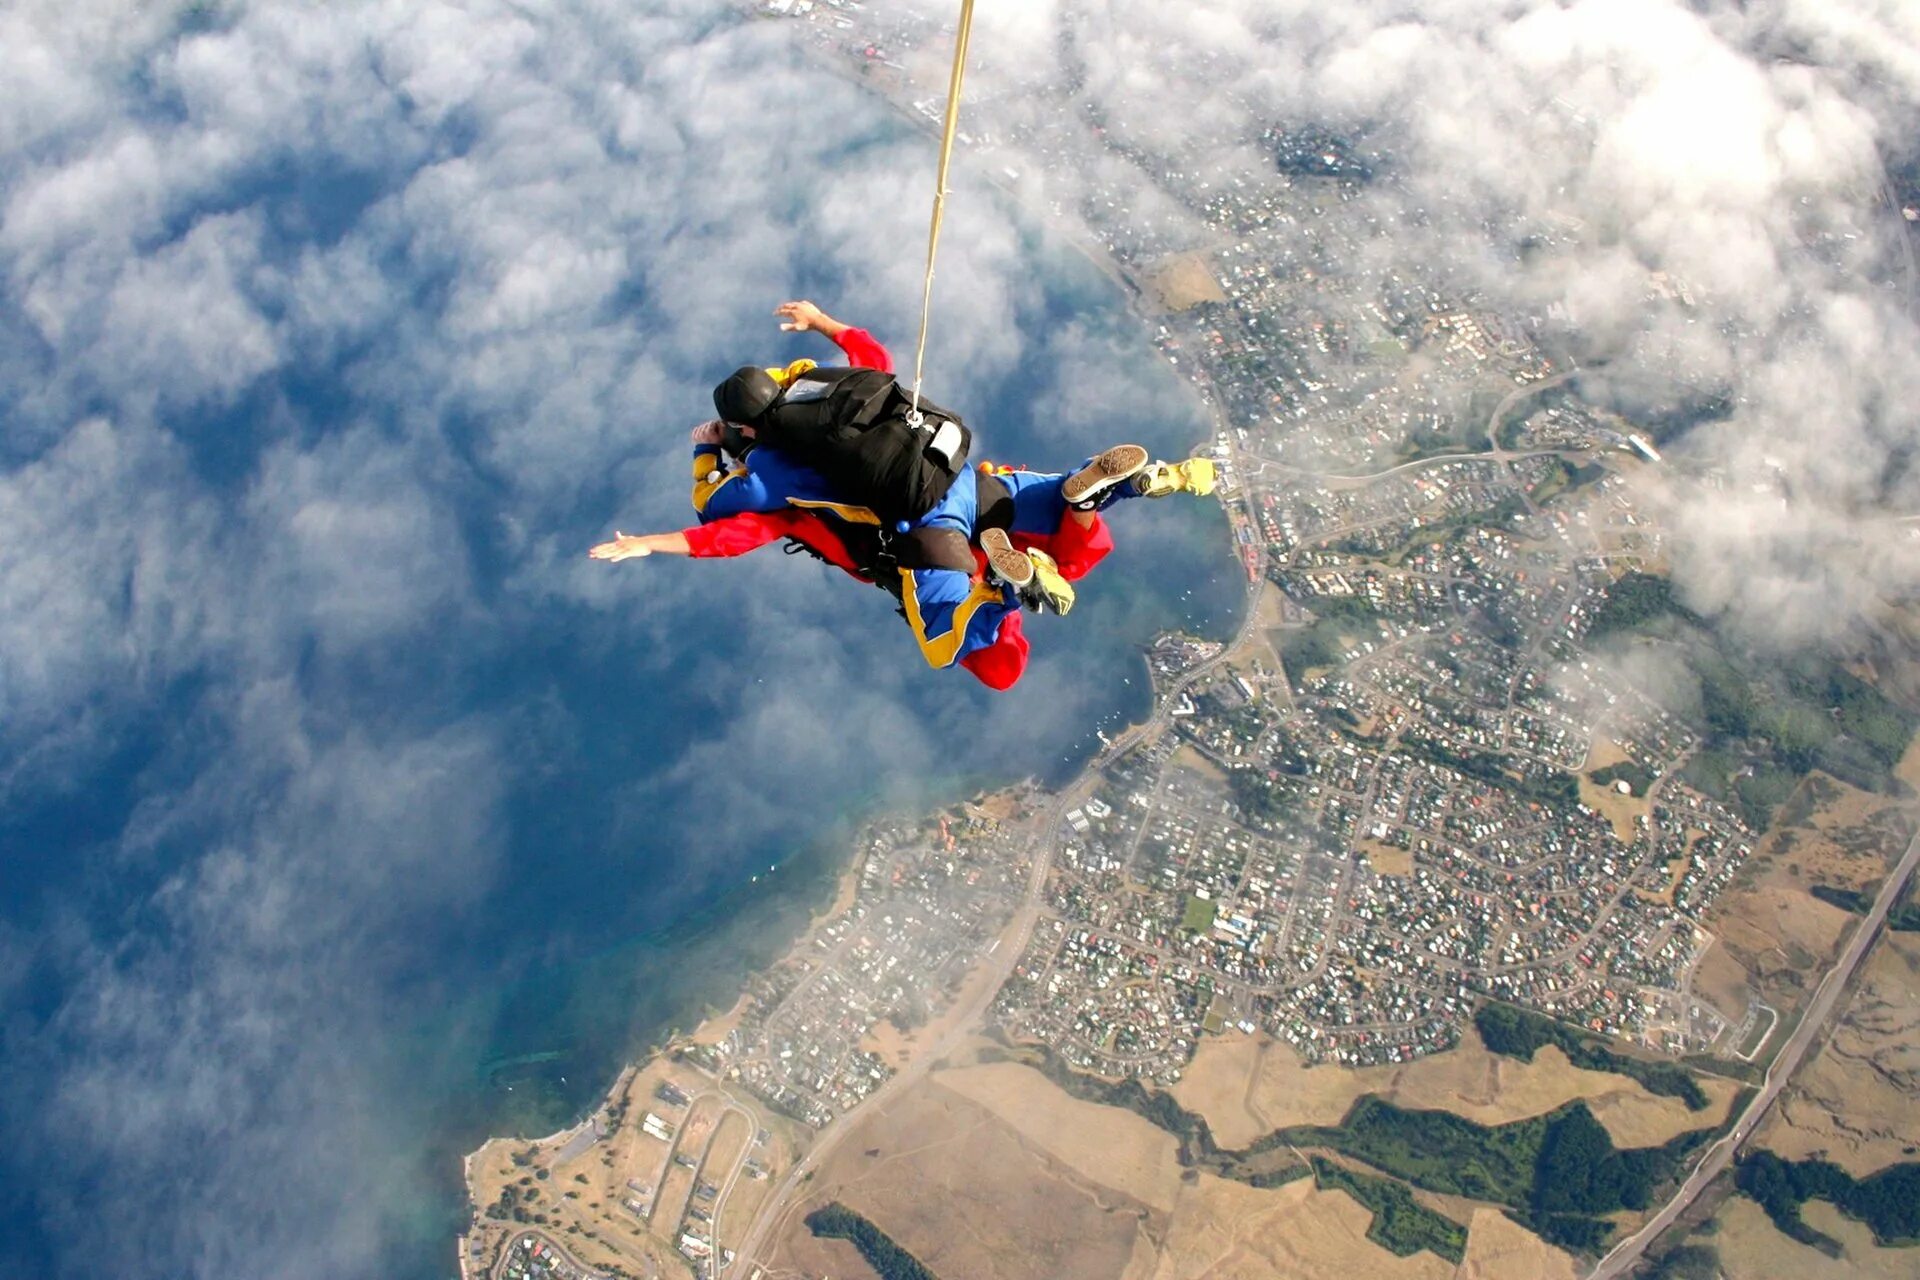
pixel 945 442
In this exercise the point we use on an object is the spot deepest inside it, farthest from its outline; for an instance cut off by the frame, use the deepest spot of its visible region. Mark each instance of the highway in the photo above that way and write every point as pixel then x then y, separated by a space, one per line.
pixel 1628 1252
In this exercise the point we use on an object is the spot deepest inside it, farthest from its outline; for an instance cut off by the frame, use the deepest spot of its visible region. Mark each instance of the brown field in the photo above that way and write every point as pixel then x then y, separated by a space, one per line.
pixel 1103 1144
pixel 1723 982
pixel 1386 859
pixel 1858 1103
pixel 1227 1231
pixel 962 1191
pixel 836 1258
pixel 1779 934
pixel 1188 758
pixel 1908 770
pixel 1834 833
pixel 729 1143
pixel 993 1171
pixel 1617 809
pixel 1499 1248
pixel 1183 282
pixel 889 1042
pixel 1247 1086
pixel 1752 1249
pixel 673 1191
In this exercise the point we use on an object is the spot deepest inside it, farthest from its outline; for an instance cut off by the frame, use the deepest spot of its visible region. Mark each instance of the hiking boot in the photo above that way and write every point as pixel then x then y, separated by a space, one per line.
pixel 1049 590
pixel 1100 481
pixel 1195 476
pixel 1006 565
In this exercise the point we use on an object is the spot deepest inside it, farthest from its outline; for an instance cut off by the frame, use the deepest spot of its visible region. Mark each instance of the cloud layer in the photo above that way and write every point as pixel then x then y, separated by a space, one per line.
pixel 330 336
pixel 1553 157
pixel 330 339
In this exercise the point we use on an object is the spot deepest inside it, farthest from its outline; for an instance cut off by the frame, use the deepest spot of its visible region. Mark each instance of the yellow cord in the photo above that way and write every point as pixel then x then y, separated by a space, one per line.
pixel 960 39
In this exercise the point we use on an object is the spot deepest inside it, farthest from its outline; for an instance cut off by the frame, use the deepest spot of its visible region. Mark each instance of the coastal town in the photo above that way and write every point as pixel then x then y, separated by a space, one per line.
pixel 1426 775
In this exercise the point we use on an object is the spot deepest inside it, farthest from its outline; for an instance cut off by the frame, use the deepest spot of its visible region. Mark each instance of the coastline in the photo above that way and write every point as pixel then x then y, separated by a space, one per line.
pixel 716 1024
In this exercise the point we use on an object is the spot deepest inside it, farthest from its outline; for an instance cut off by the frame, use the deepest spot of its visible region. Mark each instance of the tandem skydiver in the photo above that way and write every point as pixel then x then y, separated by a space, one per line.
pixel 961 548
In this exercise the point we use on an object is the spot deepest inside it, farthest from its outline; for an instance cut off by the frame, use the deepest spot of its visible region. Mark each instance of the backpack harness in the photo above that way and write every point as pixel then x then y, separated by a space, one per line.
pixel 860 430
pixel 880 553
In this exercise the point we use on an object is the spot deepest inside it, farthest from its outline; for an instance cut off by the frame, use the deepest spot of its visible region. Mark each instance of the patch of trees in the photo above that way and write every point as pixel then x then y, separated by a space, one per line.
pixel 888 1260
pixel 1631 772
pixel 1401 1225
pixel 1518 1033
pixel 1846 899
pixel 1862 712
pixel 1558 1173
pixel 1633 601
pixel 1688 1262
pixel 1314 646
pixel 1557 787
pixel 1668 422
pixel 1256 795
pixel 1888 1202
pixel 1769 725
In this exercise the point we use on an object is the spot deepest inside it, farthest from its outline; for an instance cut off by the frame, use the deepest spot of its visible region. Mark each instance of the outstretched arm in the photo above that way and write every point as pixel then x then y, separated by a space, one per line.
pixel 862 351
pixel 627 546
pixel 798 317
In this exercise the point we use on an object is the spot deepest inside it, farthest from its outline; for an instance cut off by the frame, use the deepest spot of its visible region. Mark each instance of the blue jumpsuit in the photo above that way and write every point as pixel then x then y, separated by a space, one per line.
pixel 951 613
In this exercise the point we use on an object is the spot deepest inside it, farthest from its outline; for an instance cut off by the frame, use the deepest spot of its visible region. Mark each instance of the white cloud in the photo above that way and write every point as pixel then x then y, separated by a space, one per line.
pixel 332 335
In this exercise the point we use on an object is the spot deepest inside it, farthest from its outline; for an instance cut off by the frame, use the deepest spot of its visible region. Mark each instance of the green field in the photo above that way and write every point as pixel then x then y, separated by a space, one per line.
pixel 1199 915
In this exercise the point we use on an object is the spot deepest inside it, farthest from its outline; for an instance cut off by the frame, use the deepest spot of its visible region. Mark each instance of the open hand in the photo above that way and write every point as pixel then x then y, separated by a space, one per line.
pixel 798 317
pixel 625 546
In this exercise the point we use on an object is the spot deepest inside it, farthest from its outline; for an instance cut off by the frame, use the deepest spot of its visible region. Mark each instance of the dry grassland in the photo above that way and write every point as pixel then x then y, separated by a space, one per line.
pixel 893 1045
pixel 1184 282
pixel 1908 770
pixel 1774 929
pixel 1848 838
pixel 729 1142
pixel 1247 1086
pixel 963 1192
pixel 1752 1249
pixel 599 1203
pixel 1386 859
pixel 1499 1248
pixel 1190 759
pixel 1858 1103
pixel 1227 1231
pixel 808 1256
pixel 991 1170
pixel 677 1186
pixel 1617 809
pixel 1723 982
pixel 1103 1144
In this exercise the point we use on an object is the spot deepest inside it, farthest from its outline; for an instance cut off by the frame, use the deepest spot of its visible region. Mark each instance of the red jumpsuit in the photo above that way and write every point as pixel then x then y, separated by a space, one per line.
pixel 1074 548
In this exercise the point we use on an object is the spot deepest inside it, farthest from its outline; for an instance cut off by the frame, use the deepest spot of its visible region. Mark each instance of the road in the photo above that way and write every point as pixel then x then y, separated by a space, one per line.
pixel 1013 944
pixel 1720 1154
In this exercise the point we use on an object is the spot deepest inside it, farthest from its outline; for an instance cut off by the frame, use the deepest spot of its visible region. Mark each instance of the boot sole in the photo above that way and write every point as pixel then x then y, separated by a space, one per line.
pixel 1122 462
pixel 1012 567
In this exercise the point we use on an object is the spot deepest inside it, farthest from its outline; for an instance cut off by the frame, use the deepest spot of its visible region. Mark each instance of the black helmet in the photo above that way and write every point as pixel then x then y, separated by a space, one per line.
pixel 746 394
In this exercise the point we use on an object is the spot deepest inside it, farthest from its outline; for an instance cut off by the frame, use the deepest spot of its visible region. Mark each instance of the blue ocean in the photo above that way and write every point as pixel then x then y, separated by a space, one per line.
pixel 350 813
